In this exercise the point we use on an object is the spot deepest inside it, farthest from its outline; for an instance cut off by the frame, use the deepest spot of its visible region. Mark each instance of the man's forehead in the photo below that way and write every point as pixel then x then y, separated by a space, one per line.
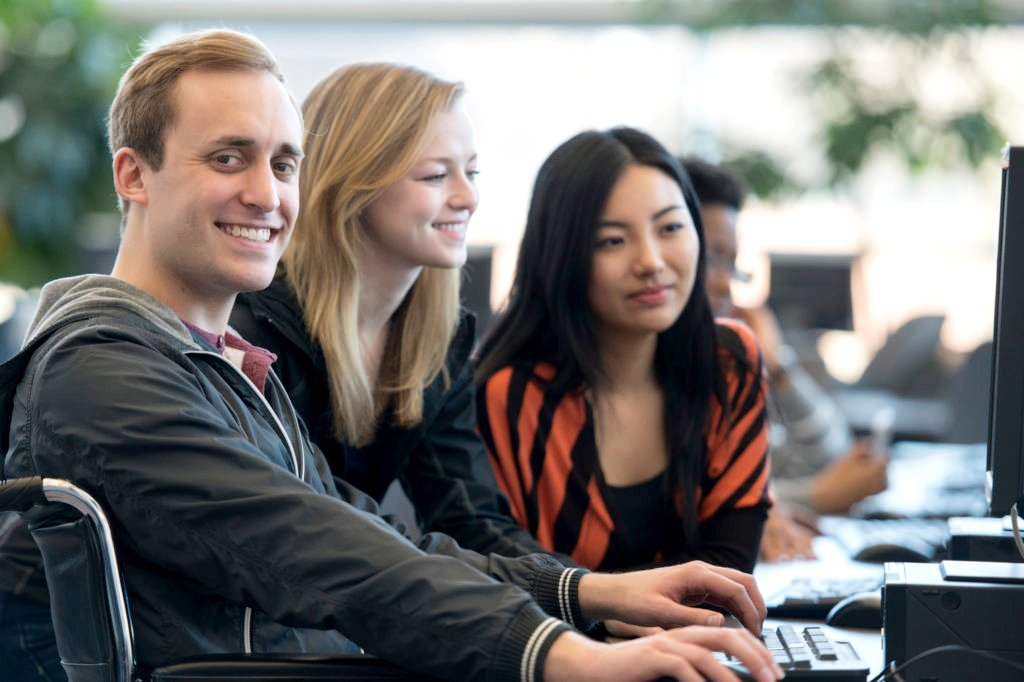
pixel 238 108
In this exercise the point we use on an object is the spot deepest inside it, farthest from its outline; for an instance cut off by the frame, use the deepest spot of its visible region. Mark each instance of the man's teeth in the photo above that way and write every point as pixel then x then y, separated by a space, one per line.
pixel 256 234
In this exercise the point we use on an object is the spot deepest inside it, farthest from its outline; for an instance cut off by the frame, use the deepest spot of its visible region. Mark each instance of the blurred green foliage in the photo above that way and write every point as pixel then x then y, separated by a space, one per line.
pixel 861 114
pixel 916 17
pixel 59 65
pixel 763 174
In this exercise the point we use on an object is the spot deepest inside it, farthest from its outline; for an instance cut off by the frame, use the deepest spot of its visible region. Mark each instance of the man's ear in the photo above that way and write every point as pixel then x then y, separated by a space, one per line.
pixel 130 175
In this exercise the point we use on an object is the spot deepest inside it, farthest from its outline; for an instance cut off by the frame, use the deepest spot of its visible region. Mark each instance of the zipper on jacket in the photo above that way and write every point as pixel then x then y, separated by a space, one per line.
pixel 247 618
pixel 299 468
pixel 247 630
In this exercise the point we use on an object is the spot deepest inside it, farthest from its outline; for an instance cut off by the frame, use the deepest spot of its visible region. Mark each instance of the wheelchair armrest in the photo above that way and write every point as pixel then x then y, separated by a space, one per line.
pixel 283 668
pixel 18 494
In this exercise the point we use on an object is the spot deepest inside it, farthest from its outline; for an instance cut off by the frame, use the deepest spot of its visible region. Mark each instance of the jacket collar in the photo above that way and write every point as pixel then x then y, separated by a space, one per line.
pixel 279 305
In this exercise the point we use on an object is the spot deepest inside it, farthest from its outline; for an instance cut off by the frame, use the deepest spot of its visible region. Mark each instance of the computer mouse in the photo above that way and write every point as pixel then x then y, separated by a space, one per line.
pixel 861 610
pixel 881 515
pixel 883 552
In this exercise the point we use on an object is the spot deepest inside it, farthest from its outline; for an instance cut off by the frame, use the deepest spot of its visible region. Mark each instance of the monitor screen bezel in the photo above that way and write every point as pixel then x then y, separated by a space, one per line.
pixel 1005 459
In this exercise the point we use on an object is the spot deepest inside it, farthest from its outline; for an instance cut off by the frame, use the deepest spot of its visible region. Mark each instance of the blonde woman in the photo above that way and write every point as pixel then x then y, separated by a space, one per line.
pixel 364 315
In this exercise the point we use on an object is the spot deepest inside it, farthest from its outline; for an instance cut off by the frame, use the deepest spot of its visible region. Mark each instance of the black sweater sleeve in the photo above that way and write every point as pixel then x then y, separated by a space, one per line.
pixel 449 480
pixel 731 538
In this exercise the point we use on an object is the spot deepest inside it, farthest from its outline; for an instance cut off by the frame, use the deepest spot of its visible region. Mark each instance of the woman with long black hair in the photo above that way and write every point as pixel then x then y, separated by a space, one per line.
pixel 625 425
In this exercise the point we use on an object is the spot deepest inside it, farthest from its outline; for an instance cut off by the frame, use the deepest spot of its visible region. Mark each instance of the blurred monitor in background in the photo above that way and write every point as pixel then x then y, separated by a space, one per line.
pixel 812 291
pixel 475 290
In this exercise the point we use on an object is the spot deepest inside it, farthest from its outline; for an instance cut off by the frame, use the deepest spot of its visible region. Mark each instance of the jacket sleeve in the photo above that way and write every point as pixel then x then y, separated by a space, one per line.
pixel 187 491
pixel 451 484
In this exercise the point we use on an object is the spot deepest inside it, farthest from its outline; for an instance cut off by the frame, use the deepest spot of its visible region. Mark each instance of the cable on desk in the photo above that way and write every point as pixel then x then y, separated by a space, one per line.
pixel 1016 526
pixel 894 673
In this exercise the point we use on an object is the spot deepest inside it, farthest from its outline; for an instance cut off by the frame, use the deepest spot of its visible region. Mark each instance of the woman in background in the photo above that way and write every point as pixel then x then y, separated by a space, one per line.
pixel 364 314
pixel 625 426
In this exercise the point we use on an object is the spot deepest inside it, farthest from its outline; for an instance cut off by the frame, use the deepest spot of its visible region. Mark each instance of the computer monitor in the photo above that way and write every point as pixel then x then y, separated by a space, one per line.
pixel 1004 484
pixel 811 291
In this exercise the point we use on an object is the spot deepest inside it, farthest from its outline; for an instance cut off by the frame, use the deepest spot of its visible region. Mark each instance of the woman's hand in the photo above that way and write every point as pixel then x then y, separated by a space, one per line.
pixel 785 537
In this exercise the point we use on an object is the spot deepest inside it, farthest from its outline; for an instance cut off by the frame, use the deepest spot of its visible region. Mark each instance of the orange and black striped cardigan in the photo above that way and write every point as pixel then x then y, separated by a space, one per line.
pixel 545 460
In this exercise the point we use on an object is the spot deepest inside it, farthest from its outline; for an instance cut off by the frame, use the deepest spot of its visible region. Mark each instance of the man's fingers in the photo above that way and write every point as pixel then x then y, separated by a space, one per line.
pixel 685 661
pixel 683 616
pixel 710 587
pixel 620 630
pixel 737 591
pixel 737 643
pixel 707 668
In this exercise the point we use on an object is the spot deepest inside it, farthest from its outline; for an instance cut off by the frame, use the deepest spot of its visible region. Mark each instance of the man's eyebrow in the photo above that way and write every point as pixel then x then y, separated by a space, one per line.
pixel 235 141
pixel 241 141
pixel 291 150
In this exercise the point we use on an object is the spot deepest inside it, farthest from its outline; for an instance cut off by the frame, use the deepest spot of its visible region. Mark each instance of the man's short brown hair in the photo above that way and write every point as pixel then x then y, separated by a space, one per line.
pixel 143 108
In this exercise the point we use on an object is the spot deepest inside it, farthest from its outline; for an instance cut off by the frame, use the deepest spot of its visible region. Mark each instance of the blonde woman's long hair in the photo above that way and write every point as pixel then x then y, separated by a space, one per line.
pixel 366 126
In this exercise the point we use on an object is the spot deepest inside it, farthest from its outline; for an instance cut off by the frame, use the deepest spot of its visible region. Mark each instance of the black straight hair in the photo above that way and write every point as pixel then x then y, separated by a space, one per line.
pixel 547 317
pixel 715 184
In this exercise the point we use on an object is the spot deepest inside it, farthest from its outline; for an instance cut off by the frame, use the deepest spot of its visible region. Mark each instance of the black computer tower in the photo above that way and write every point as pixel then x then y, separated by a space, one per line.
pixel 923 609
pixel 982 539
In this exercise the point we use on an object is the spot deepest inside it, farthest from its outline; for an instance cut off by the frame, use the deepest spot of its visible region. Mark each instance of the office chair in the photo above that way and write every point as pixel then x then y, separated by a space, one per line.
pixel 968 397
pixel 89 605
pixel 906 357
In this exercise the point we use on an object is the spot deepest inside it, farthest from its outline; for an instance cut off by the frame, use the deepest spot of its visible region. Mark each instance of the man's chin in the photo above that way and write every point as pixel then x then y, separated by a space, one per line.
pixel 255 283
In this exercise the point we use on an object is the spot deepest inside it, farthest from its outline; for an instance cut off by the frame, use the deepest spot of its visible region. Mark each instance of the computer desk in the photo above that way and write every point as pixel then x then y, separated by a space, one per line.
pixel 831 561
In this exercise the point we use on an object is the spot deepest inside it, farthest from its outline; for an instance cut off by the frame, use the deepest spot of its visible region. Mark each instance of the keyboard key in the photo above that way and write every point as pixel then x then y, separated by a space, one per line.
pixel 806 653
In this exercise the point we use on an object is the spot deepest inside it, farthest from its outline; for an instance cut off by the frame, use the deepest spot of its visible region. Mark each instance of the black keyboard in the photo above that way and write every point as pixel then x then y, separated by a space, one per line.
pixel 927 537
pixel 812 598
pixel 807 653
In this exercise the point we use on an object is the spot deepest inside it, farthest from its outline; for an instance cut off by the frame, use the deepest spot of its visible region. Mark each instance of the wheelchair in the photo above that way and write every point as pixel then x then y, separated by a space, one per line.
pixel 96 643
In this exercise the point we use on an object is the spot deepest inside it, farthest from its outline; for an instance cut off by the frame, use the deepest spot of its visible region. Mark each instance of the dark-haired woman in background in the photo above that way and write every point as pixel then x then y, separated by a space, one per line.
pixel 626 427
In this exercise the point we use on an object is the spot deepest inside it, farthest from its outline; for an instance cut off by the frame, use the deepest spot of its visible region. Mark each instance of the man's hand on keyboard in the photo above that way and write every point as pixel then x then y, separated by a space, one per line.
pixel 618 631
pixel 682 654
pixel 669 596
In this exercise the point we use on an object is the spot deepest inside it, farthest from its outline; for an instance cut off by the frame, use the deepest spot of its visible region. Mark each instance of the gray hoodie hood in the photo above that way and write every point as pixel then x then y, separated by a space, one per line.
pixel 93 295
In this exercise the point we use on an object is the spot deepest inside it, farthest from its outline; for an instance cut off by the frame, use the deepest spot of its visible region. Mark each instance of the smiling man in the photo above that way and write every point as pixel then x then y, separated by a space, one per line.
pixel 231 532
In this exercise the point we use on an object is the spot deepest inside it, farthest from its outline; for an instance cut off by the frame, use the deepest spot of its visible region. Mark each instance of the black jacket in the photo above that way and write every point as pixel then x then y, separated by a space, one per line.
pixel 231 533
pixel 441 463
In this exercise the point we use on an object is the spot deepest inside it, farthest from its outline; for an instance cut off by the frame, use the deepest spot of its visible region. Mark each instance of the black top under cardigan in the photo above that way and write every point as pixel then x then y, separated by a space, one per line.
pixel 441 463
